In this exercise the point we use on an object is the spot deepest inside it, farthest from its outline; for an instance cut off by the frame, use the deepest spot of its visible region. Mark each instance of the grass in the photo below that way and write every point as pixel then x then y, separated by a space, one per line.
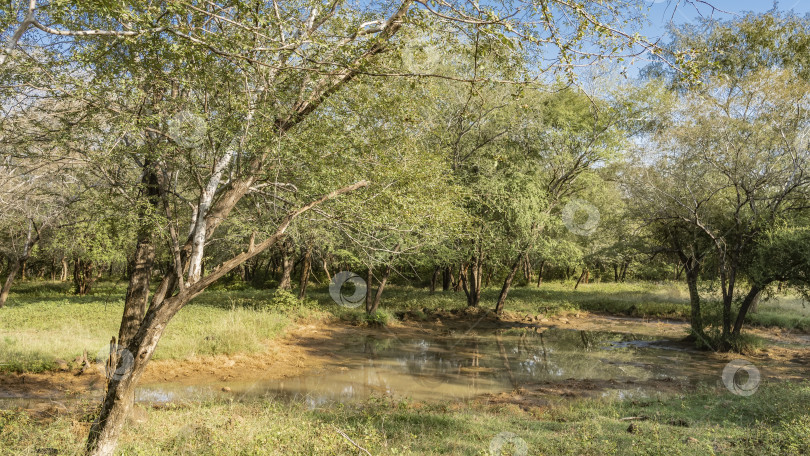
pixel 43 322
pixel 787 312
pixel 774 421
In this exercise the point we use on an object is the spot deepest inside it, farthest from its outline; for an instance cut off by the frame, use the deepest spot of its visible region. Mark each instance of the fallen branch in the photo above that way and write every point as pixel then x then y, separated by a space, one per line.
pixel 634 418
pixel 343 434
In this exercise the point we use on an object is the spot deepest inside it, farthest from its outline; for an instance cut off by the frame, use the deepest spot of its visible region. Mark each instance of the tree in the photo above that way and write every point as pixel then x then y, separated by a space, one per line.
pixel 184 109
pixel 730 163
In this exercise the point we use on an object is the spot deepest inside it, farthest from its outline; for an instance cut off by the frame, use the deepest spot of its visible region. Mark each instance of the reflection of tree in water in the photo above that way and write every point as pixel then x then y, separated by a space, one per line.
pixel 373 345
pixel 516 357
pixel 587 339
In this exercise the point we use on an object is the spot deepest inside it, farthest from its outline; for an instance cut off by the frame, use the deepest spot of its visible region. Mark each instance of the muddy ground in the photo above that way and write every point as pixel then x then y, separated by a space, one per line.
pixel 311 345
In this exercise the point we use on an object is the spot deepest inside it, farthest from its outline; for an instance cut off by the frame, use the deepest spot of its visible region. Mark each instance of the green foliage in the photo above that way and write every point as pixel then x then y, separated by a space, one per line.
pixel 380 318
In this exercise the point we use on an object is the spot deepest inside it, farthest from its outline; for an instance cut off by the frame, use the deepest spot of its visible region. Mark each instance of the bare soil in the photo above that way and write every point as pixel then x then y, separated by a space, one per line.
pixel 312 345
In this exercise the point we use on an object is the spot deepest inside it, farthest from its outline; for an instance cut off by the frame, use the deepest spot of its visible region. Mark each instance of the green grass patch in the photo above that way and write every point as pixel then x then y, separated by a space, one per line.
pixel 42 324
pixel 774 421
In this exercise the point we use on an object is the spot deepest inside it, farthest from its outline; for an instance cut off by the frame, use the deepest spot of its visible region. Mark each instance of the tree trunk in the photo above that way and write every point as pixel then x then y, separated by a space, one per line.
pixel 750 300
pixel 540 273
pixel 447 278
pixel 470 280
pixel 31 239
pixel 305 270
pixel 692 270
pixel 369 283
pixel 581 277
pixel 83 277
pixel 507 284
pixel 65 267
pixel 527 269
pixel 462 279
pixel 286 267
pixel 137 296
pixel 625 265
pixel 434 278
pixel 118 399
pixel 383 281
pixel 755 305
pixel 143 261
pixel 326 270
pixel 615 272
pixel 7 284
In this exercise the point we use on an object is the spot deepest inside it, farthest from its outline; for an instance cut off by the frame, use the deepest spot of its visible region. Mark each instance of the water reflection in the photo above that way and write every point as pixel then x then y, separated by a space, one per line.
pixel 468 365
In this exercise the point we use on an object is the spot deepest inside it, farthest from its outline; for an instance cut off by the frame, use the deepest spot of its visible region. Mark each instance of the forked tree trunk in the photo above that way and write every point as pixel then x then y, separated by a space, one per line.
pixel 106 429
pixel 470 277
pixel 83 277
pixel 507 284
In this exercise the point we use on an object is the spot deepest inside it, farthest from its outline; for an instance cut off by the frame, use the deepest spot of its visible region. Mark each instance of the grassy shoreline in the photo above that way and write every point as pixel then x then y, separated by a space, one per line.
pixel 43 323
pixel 709 420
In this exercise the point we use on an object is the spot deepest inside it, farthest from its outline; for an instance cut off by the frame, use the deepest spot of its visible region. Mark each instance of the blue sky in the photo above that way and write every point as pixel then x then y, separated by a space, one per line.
pixel 661 11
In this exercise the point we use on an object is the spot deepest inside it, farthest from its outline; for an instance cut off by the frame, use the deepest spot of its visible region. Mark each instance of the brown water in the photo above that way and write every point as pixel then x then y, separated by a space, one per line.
pixel 459 365
pixel 469 364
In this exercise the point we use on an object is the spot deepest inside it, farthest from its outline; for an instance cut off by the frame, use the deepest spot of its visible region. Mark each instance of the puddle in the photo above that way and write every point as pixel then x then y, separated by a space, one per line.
pixel 466 365
pixel 463 365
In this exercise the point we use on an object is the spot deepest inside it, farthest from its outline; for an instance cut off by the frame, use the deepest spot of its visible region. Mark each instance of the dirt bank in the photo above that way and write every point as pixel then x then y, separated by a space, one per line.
pixel 312 345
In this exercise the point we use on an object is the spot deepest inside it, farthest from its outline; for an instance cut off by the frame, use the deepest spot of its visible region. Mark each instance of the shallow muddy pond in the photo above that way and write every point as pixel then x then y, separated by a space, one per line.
pixel 469 364
pixel 461 365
